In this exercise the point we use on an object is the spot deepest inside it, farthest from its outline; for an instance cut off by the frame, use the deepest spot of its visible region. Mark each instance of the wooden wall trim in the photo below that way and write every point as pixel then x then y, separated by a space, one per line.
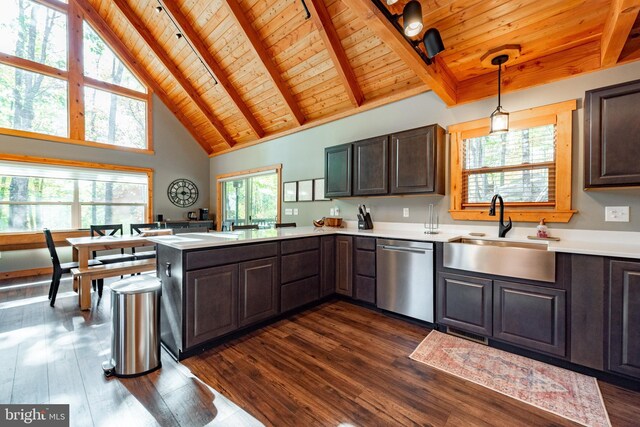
pixel 73 163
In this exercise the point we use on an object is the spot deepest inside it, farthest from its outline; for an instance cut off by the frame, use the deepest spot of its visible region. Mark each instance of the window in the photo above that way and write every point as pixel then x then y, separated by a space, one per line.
pixel 37 78
pixel 34 196
pixel 250 197
pixel 529 166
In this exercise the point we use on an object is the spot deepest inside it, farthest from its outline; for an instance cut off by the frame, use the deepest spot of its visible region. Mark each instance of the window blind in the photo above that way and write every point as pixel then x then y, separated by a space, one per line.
pixel 519 165
pixel 69 172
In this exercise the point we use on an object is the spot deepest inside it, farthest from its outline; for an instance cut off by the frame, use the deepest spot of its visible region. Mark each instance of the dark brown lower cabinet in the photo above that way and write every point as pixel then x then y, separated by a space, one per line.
pixel 624 311
pixel 299 293
pixel 344 265
pixel 364 265
pixel 364 289
pixel 465 303
pixel 327 265
pixel 211 303
pixel 259 290
pixel 530 316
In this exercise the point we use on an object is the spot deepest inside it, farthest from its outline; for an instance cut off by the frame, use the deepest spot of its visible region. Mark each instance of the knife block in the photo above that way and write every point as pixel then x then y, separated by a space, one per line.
pixel 365 222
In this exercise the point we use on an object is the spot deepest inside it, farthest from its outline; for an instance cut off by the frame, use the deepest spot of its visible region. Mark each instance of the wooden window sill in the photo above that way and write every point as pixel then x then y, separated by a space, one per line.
pixel 516 215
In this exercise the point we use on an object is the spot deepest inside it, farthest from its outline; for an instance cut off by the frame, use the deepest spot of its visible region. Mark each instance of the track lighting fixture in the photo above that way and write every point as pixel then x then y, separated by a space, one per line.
pixel 159 9
pixel 412 25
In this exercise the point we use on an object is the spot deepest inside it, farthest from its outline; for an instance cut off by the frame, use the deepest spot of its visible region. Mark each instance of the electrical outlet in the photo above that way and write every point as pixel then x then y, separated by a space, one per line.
pixel 288 211
pixel 332 212
pixel 337 209
pixel 616 213
pixel 405 212
pixel 295 211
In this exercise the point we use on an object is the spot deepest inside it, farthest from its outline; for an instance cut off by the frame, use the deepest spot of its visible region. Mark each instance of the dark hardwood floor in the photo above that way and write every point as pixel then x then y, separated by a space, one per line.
pixel 334 365
pixel 54 355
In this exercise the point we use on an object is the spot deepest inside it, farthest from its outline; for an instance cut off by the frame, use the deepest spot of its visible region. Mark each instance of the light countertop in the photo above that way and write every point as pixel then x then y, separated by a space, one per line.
pixel 587 242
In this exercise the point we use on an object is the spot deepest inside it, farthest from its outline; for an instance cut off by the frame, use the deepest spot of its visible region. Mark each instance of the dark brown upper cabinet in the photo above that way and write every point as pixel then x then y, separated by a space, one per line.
pixel 337 171
pixel 370 166
pixel 417 161
pixel 611 136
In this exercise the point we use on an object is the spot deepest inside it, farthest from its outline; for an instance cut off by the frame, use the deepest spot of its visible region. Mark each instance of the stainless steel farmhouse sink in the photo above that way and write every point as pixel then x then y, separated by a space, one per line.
pixel 503 258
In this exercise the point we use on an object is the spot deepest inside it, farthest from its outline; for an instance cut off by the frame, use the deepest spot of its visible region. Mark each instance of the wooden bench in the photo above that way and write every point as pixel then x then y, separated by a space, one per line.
pixel 82 277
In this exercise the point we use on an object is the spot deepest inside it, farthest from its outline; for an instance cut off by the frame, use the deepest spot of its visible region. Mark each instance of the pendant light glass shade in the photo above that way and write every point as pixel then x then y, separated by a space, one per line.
pixel 412 18
pixel 499 121
pixel 499 118
pixel 432 42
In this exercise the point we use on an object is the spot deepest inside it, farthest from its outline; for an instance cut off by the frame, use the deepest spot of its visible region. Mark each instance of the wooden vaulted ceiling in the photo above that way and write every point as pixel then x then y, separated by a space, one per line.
pixel 277 71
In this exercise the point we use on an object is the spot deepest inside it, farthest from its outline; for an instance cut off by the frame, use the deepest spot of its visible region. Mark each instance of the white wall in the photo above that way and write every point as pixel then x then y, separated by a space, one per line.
pixel 177 155
pixel 302 153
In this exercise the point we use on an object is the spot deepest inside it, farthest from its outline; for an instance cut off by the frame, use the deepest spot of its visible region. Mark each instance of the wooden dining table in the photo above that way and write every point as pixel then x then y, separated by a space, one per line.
pixel 83 247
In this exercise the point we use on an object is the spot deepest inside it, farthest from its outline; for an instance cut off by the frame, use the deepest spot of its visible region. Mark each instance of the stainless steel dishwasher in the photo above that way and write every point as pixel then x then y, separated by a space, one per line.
pixel 405 278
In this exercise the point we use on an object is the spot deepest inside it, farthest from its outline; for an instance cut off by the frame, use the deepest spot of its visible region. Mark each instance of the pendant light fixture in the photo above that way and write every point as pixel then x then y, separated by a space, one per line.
pixel 499 118
pixel 412 18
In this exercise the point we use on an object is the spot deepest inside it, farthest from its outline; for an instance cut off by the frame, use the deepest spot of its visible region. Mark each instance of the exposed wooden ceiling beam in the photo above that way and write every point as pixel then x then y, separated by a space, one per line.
pixel 437 76
pixel 170 65
pixel 98 23
pixel 622 15
pixel 332 42
pixel 258 48
pixel 189 33
pixel 556 66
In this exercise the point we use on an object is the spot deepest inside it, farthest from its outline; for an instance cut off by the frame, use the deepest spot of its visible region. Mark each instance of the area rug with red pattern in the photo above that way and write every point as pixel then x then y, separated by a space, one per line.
pixel 562 392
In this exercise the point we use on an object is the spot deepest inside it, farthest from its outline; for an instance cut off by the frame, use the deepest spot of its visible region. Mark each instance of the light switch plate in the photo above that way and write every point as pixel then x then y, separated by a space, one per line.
pixel 405 212
pixel 616 214
pixel 332 212
pixel 288 211
pixel 295 211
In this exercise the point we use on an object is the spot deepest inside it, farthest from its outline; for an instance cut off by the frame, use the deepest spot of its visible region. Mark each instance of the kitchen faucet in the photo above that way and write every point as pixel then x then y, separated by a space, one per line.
pixel 503 228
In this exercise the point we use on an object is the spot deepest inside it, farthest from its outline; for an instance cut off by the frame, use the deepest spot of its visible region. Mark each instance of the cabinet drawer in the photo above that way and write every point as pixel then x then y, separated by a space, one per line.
pixel 365 289
pixel 365 263
pixel 299 245
pixel 465 303
pixel 298 293
pixel 229 255
pixel 300 265
pixel 366 243
pixel 530 316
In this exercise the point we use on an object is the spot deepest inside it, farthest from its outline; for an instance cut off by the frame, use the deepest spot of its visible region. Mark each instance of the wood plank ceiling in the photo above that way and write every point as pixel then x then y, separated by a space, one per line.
pixel 264 69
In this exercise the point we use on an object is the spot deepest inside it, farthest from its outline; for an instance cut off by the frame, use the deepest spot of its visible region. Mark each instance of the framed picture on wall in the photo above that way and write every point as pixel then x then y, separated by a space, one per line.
pixel 305 190
pixel 318 189
pixel 290 191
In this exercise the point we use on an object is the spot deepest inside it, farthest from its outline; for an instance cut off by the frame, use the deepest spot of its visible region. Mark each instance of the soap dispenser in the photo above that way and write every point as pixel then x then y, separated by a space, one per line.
pixel 542 230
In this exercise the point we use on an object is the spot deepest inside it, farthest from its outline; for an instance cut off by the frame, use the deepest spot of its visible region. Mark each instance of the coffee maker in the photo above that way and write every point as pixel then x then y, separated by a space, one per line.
pixel 203 214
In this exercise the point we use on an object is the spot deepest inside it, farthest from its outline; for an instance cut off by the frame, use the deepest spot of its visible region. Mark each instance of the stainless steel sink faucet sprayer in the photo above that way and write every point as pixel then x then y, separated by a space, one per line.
pixel 503 228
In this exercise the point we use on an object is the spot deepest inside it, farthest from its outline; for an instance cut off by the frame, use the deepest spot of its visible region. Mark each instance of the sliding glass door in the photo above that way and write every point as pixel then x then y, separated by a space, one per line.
pixel 251 200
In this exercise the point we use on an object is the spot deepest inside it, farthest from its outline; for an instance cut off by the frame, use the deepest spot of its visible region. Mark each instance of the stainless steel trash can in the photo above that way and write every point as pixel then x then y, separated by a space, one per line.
pixel 135 327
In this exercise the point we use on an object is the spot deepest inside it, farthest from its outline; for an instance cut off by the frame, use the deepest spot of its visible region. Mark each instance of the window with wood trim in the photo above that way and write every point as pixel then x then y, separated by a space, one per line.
pixel 529 166
pixel 61 195
pixel 60 81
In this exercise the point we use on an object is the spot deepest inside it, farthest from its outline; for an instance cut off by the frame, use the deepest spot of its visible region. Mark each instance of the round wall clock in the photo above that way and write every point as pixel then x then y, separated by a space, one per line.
pixel 182 192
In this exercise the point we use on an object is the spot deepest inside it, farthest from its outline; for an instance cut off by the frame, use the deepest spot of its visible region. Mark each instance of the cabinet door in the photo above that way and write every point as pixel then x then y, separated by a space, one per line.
pixel 337 171
pixel 364 289
pixel 259 290
pixel 328 266
pixel 530 316
pixel 344 265
pixel 370 166
pixel 465 303
pixel 415 167
pixel 611 136
pixel 624 338
pixel 211 303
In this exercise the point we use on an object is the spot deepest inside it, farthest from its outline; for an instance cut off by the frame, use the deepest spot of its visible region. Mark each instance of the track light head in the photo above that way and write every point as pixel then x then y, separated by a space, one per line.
pixel 412 18
pixel 432 42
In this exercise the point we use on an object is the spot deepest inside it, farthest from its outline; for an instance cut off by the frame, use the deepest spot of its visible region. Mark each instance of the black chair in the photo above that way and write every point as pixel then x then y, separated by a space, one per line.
pixel 244 227
pixel 285 224
pixel 139 229
pixel 60 269
pixel 110 230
